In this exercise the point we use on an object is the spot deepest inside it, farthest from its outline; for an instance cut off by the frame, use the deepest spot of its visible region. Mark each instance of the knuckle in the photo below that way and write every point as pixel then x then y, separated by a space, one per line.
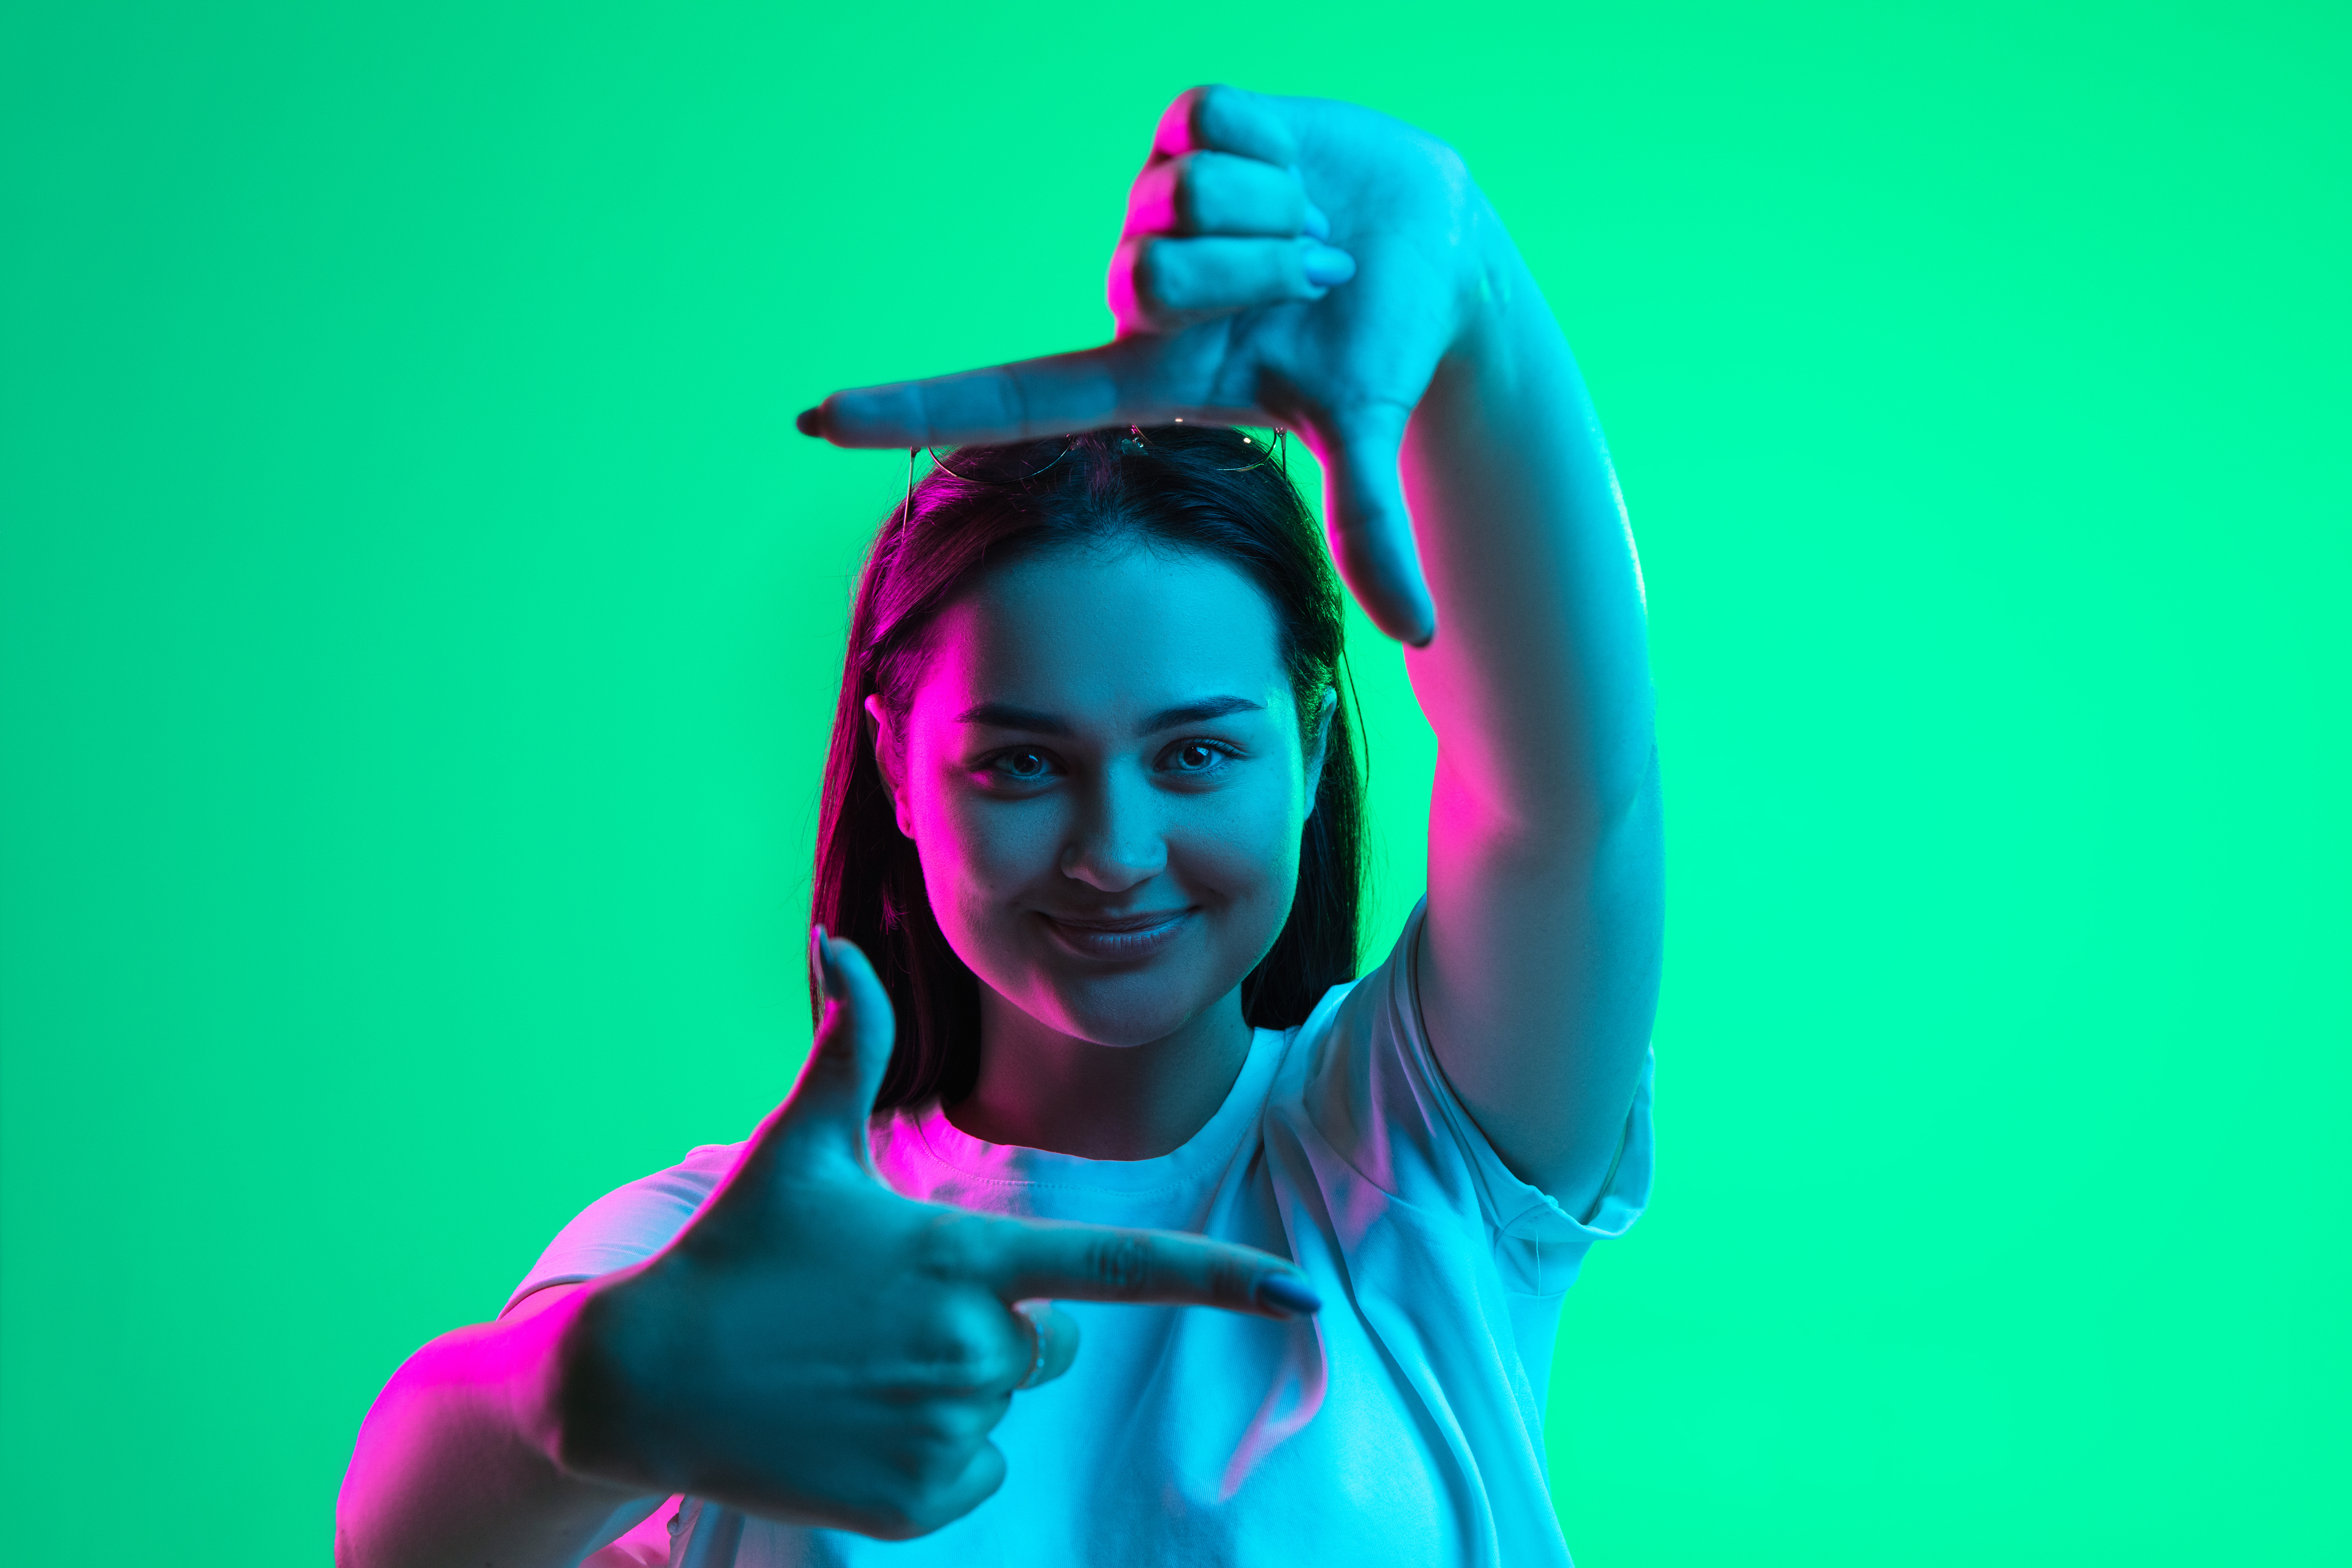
pixel 1151 202
pixel 950 1246
pixel 920 1501
pixel 1238 122
pixel 1201 113
pixel 1222 192
pixel 1215 108
pixel 913 1497
pixel 964 1349
pixel 893 1518
pixel 1143 273
pixel 893 1521
pixel 1120 1263
pixel 1163 281
pixel 1204 191
pixel 1158 269
pixel 939 1450
pixel 891 1500
pixel 932 1487
pixel 1233 1279
pixel 1184 192
pixel 971 1472
pixel 966 1361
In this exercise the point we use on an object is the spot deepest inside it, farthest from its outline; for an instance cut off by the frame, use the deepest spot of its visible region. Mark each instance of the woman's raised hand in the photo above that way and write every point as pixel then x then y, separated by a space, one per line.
pixel 1285 262
pixel 818 1348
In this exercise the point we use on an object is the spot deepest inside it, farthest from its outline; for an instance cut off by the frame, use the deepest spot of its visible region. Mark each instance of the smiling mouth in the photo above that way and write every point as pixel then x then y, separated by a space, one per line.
pixel 1116 937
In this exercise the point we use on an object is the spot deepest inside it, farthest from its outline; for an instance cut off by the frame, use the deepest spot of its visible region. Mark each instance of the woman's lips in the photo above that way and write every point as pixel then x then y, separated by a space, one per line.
pixel 1116 937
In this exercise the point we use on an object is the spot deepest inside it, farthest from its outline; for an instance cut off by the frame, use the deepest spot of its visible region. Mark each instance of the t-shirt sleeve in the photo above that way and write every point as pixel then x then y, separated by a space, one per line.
pixel 1379 1097
pixel 629 1224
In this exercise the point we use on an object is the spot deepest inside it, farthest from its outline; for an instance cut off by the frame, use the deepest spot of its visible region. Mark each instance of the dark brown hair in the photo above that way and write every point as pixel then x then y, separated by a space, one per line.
pixel 1193 487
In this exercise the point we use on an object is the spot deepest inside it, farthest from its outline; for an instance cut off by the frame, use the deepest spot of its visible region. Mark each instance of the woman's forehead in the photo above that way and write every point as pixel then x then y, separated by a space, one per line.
pixel 1105 632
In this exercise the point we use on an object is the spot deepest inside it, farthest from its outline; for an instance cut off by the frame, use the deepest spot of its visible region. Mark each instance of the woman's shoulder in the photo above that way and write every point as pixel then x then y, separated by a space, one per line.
pixel 1344 1021
pixel 1361 1079
pixel 632 1222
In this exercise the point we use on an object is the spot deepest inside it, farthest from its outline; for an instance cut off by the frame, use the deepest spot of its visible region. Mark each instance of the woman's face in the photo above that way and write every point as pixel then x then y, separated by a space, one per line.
pixel 1102 770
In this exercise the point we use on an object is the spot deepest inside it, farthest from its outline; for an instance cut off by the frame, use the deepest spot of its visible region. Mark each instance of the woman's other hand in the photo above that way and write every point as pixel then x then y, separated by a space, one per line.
pixel 812 1348
pixel 816 1348
pixel 1288 261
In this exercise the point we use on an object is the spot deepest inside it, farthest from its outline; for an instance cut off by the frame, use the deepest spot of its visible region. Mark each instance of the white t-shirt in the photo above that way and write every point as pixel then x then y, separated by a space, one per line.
pixel 1404 1424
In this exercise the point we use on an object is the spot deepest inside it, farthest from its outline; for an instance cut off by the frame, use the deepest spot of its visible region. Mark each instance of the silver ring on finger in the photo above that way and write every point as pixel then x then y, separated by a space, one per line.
pixel 1027 1312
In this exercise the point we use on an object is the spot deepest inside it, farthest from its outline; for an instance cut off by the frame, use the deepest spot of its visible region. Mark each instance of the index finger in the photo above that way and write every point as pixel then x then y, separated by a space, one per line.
pixel 1048 396
pixel 1071 1262
pixel 1054 395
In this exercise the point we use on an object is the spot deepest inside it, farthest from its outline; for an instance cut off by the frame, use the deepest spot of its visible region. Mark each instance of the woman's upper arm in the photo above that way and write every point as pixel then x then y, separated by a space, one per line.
pixel 1539 971
pixel 1538 980
pixel 540 1301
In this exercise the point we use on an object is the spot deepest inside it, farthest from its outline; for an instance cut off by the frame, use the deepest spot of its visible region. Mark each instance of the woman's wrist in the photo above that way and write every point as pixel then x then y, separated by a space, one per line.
pixel 572 1391
pixel 457 1460
pixel 1490 280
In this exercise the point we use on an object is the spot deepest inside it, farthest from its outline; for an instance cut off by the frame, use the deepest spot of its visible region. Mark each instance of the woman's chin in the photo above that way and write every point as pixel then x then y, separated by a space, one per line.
pixel 1121 1003
pixel 1121 1029
pixel 1125 1010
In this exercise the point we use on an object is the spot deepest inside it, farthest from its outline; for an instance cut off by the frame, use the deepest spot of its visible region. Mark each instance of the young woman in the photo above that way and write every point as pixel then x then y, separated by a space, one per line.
pixel 1088 861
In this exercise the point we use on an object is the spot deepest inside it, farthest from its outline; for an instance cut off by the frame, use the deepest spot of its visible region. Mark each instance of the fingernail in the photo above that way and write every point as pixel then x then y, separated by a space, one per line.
pixel 811 421
pixel 1317 227
pixel 1287 1294
pixel 1327 265
pixel 828 978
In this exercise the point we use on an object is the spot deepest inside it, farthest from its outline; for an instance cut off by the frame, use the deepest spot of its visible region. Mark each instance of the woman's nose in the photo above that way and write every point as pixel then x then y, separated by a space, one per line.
pixel 1116 843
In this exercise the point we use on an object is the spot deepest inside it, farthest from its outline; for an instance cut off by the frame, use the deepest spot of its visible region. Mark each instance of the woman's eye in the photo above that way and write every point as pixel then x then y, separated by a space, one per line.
pixel 1026 766
pixel 1197 756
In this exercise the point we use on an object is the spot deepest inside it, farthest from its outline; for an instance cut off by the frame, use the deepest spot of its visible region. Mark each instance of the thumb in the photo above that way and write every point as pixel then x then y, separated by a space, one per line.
pixel 1371 529
pixel 834 1095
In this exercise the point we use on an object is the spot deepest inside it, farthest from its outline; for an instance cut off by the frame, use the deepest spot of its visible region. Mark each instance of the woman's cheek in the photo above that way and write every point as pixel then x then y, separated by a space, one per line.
pixel 1242 843
pixel 978 854
pixel 1000 845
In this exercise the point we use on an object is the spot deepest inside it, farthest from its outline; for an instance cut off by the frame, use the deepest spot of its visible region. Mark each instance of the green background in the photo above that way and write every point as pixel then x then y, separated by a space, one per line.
pixel 421 620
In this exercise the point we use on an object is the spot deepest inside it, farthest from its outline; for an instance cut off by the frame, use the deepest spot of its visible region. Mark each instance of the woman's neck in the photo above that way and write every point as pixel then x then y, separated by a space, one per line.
pixel 1043 1090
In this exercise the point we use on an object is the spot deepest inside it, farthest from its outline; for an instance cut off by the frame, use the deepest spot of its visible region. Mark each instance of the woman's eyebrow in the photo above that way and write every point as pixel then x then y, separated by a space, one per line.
pixel 1198 712
pixel 1035 721
pixel 1008 716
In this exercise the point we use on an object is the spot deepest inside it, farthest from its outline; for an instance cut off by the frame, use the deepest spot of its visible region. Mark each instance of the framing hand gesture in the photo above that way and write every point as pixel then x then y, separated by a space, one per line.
pixel 1286 260
pixel 812 1348
pixel 816 1348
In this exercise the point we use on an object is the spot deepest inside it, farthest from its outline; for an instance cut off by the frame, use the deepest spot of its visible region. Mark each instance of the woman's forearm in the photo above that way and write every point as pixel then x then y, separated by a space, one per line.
pixel 1537 683
pixel 450 1469
pixel 1540 956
